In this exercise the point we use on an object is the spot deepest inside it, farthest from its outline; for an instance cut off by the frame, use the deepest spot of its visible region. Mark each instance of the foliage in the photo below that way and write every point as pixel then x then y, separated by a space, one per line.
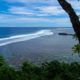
pixel 76 48
pixel 54 70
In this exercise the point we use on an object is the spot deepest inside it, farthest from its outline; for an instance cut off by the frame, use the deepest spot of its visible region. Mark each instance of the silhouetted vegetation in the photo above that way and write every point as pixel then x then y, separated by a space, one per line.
pixel 47 71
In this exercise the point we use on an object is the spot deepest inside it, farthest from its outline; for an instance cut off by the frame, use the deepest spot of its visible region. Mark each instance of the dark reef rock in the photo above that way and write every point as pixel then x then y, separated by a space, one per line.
pixel 65 34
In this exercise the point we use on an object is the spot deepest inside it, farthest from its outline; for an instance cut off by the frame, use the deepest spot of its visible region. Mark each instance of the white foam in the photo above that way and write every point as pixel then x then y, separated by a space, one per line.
pixel 19 38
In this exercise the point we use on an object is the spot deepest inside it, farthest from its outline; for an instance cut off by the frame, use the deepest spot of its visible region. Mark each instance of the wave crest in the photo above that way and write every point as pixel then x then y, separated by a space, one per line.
pixel 19 38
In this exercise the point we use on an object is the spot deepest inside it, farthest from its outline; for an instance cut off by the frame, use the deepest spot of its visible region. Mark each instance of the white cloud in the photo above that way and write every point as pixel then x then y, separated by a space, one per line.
pixel 52 10
pixel 10 20
pixel 20 10
pixel 53 7
pixel 75 4
pixel 42 11
pixel 25 11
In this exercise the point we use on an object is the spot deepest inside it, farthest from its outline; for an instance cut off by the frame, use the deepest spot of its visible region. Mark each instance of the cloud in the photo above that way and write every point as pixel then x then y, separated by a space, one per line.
pixel 10 20
pixel 75 4
pixel 27 13
pixel 51 10
pixel 20 10
pixel 42 11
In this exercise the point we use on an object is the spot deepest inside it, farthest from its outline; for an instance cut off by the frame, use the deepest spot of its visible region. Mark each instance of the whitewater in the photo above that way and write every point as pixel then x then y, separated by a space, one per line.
pixel 24 37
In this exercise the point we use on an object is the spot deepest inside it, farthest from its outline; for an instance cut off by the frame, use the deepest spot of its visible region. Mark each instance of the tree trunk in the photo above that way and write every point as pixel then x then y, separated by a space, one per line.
pixel 73 16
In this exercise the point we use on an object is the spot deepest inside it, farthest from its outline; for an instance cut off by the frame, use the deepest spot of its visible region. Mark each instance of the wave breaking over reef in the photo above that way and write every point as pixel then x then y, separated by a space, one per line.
pixel 24 37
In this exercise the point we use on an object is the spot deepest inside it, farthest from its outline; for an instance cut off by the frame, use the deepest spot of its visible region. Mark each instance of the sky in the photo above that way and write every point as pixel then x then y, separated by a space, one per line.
pixel 35 13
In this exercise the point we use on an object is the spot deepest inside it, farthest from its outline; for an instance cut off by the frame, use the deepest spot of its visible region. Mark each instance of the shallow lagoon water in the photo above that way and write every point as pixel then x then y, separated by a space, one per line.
pixel 41 49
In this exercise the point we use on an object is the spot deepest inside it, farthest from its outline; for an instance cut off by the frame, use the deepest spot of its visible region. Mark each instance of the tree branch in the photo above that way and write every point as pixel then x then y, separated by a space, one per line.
pixel 73 16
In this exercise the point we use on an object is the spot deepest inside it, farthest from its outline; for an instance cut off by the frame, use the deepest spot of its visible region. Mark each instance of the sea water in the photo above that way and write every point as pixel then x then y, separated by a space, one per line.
pixel 37 44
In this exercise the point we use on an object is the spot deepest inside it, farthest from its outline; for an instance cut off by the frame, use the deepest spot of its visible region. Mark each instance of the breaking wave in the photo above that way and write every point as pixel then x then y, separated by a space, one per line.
pixel 24 37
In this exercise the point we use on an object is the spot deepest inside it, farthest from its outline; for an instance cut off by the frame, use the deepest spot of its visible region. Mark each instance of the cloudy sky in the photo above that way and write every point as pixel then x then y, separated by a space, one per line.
pixel 34 13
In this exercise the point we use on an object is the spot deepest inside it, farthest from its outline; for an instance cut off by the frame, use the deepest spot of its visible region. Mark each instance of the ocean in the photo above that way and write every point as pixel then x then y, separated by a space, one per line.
pixel 11 31
pixel 36 44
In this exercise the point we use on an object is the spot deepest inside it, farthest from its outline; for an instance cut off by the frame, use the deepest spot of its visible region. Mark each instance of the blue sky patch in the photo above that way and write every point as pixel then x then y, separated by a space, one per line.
pixel 35 13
